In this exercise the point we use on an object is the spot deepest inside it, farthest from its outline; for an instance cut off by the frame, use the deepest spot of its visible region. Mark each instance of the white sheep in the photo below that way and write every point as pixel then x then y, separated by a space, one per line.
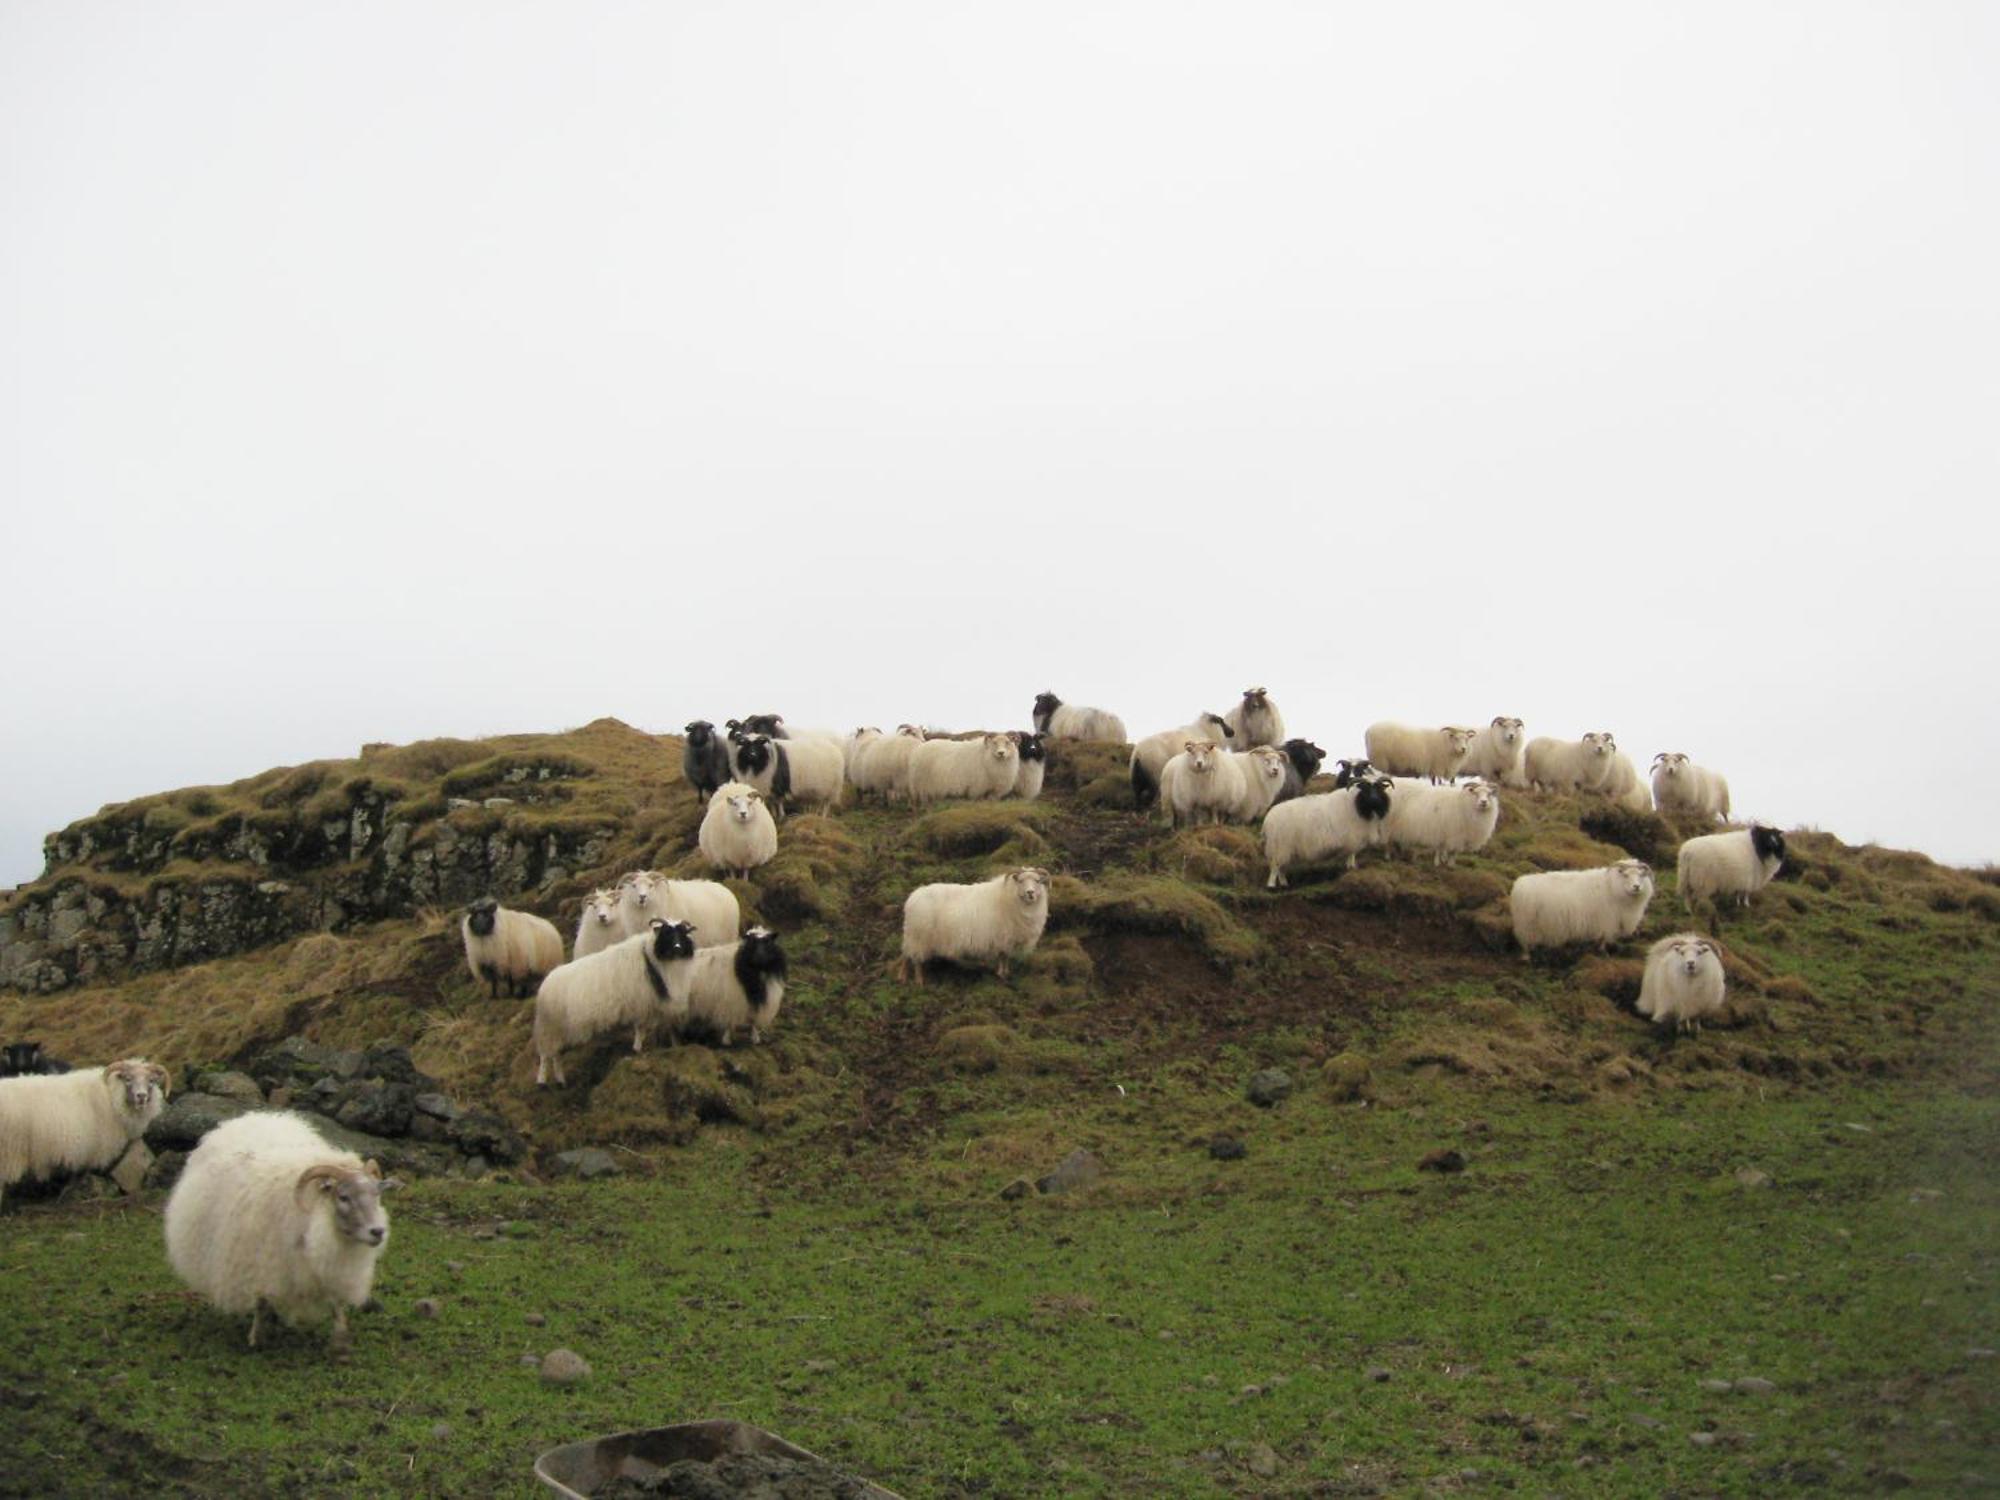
pixel 1255 721
pixel 710 908
pixel 1446 820
pixel 993 919
pixel 81 1121
pixel 1150 755
pixel 882 766
pixel 1623 786
pixel 1067 721
pixel 1263 780
pixel 514 948
pixel 1679 785
pixel 1683 981
pixel 853 745
pixel 637 982
pixel 1202 784
pixel 984 767
pixel 1738 863
pixel 1554 765
pixel 818 769
pixel 267 1214
pixel 737 832
pixel 599 926
pixel 1338 823
pixel 1497 753
pixel 1580 906
pixel 1034 754
pixel 1406 751
pixel 737 988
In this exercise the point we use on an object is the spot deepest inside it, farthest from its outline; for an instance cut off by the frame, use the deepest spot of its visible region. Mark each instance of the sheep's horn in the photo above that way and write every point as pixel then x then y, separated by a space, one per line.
pixel 322 1177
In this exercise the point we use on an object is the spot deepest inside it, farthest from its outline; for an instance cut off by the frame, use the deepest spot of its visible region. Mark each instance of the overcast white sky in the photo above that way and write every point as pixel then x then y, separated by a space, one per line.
pixel 394 370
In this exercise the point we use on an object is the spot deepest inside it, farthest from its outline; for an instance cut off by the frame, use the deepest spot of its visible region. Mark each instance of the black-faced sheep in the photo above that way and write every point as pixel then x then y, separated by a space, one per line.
pixel 1302 762
pixel 27 1059
pixel 514 948
pixel 1067 721
pixel 736 988
pixel 1328 825
pixel 762 763
pixel 1033 750
pixel 639 982
pixel 1738 863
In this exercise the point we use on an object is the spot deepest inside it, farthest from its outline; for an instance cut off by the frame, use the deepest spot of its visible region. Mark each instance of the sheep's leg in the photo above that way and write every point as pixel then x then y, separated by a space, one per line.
pixel 638 1039
pixel 256 1321
pixel 1001 967
pixel 340 1340
pixel 561 1077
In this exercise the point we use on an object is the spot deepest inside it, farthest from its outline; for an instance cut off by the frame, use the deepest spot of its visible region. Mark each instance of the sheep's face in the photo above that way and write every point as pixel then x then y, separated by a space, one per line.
pixel 1031 886
pixel 700 734
pixel 482 915
pixel 1305 757
pixel 1507 731
pixel 753 754
pixel 137 1085
pixel 1045 704
pixel 1371 798
pixel 764 724
pixel 603 905
pixel 1269 765
pixel 355 1198
pixel 743 807
pixel 761 952
pixel 639 889
pixel 20 1058
pixel 1690 956
pixel 1002 748
pixel 1033 747
pixel 1482 797
pixel 1768 842
pixel 1601 745
pixel 672 940
pixel 1633 879
pixel 1347 772
pixel 1460 740
pixel 1201 757
pixel 1670 764
pixel 1255 700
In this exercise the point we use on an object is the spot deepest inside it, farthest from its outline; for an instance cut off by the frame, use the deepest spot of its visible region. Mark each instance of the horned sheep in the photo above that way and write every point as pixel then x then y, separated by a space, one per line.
pixel 1580 906
pixel 1341 822
pixel 1623 786
pixel 994 919
pixel 737 832
pixel 1068 721
pixel 984 767
pixel 267 1214
pixel 1255 721
pixel 599 926
pixel 1302 762
pixel 1497 754
pixel 1150 755
pixel 1679 785
pixel 1263 781
pixel 80 1121
pixel 882 766
pixel 762 764
pixel 709 907
pixel 1033 750
pixel 1683 981
pixel 1738 863
pixel 736 988
pixel 1405 751
pixel 1554 765
pixel 637 982
pixel 514 948
pixel 1446 820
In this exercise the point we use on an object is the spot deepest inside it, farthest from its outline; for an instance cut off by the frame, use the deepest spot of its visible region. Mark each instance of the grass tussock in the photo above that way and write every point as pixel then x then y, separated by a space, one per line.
pixel 1139 903
pixel 970 829
pixel 1215 854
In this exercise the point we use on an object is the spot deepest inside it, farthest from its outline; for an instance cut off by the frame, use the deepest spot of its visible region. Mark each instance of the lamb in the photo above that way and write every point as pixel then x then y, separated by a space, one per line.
pixel 1066 721
pixel 1447 820
pixel 635 982
pixel 1150 755
pixel 514 948
pixel 1202 784
pixel 268 1214
pixel 1683 981
pixel 882 766
pixel 1622 785
pixel 1739 863
pixel 1679 785
pixel 1340 822
pixel 1033 750
pixel 704 758
pixel 1404 751
pixel 762 764
pixel 1263 779
pixel 737 987
pixel 1553 765
pixel 80 1121
pixel 1255 721
pixel 1302 763
pixel 737 833
pixel 1580 906
pixel 1496 754
pixel 711 909
pixel 599 926
pixel 997 919
pixel 27 1059
pixel 983 767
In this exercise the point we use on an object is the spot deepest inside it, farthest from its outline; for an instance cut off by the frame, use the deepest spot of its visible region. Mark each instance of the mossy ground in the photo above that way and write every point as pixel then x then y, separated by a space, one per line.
pixel 810 1235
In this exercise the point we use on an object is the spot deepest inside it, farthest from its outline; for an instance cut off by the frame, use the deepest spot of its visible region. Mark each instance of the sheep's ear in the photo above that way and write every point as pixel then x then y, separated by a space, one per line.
pixel 372 1167
pixel 390 1184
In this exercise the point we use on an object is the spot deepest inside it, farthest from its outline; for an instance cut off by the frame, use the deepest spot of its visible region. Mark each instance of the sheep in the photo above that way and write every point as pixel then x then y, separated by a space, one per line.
pixel 1579 906
pixel 1341 822
pixel 1202 784
pixel 773 726
pixel 1622 785
pixel 1347 773
pixel 1302 762
pixel 514 948
pixel 736 987
pixel 1553 765
pixel 997 919
pixel 1496 754
pixel 710 908
pixel 1255 721
pixel 1150 755
pixel 267 1214
pixel 1033 750
pixel 883 766
pixel 1679 785
pixel 737 833
pixel 1739 863
pixel 1065 721
pixel 27 1059
pixel 599 926
pixel 1447 820
pixel 818 770
pixel 704 758
pixel 761 763
pixel 983 767
pixel 1404 751
pixel 1263 779
pixel 632 983
pixel 1683 981
pixel 79 1121
pixel 853 745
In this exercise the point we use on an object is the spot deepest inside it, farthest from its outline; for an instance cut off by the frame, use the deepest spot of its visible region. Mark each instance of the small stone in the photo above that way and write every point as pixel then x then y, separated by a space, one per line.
pixel 440 1431
pixel 1443 1160
pixel 1702 1439
pixel 1651 1422
pixel 1227 1148
pixel 1755 1385
pixel 1079 1169
pixel 456 1267
pixel 536 1320
pixel 1925 1195
pixel 529 1362
pixel 819 1366
pixel 1261 1460
pixel 1852 1125
pixel 494 804
pixel 1251 1390
pixel 1978 1351
pixel 1020 1187
pixel 564 1367
pixel 425 1307
pixel 1268 1086
pixel 1751 1177
pixel 1718 1387
pixel 457 804
pixel 587 1164
pixel 1377 1373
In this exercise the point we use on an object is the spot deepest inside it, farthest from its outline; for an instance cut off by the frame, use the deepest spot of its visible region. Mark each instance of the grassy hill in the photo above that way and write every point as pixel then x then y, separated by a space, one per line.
pixel 811 1234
